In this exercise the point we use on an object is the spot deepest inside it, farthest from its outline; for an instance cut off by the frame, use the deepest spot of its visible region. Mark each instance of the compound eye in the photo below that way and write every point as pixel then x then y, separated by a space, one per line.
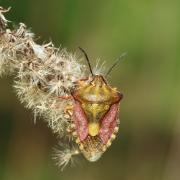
pixel 121 96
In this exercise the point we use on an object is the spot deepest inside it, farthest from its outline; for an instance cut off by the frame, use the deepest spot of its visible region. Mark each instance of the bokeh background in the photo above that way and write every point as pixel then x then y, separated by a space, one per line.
pixel 148 145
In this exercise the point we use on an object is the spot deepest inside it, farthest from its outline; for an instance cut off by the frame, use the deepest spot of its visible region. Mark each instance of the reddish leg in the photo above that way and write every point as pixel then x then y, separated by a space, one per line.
pixel 65 97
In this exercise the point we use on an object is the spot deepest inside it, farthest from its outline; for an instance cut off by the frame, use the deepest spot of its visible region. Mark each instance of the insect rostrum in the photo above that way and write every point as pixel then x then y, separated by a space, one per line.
pixel 55 85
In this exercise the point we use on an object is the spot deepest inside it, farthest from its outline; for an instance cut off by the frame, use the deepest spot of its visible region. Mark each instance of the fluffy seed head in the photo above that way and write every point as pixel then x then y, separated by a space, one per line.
pixel 42 72
pixel 64 154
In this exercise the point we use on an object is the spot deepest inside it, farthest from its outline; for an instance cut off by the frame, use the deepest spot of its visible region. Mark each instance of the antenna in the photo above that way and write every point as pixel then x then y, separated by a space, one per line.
pixel 86 56
pixel 116 63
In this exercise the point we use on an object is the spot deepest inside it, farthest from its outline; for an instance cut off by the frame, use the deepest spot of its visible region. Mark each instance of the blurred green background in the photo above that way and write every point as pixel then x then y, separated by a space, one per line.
pixel 148 145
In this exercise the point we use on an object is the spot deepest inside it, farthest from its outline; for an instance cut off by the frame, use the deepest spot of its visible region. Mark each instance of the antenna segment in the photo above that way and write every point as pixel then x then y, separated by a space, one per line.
pixel 88 61
pixel 116 63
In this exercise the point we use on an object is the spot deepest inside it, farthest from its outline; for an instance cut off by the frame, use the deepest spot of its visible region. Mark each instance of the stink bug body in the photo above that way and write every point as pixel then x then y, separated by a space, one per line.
pixel 95 115
pixel 95 118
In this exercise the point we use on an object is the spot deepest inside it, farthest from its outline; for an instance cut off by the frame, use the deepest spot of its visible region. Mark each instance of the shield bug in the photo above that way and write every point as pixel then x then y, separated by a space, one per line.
pixel 95 113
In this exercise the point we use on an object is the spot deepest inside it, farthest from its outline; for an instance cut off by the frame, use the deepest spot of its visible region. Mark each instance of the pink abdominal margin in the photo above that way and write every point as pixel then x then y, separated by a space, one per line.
pixel 108 123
